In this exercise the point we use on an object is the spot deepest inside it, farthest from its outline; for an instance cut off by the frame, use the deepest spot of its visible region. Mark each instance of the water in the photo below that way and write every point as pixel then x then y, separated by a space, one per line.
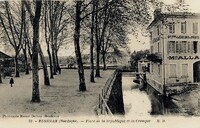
pixel 136 102
pixel 142 103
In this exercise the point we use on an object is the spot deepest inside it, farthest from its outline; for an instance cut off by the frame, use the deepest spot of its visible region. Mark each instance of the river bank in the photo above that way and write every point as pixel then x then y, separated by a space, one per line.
pixel 189 102
pixel 142 103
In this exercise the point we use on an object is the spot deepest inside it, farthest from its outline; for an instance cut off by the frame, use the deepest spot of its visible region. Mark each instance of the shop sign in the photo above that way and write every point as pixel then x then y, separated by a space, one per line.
pixel 184 57
pixel 182 37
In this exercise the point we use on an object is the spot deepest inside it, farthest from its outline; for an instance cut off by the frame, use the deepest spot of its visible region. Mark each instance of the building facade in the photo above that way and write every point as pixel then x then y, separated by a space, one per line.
pixel 175 38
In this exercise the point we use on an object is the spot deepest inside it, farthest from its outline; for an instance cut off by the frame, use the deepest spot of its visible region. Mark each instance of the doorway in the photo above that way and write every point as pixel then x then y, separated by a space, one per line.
pixel 196 71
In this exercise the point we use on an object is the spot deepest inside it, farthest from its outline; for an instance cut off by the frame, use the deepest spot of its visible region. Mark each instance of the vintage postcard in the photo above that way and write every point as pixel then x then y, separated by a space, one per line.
pixel 99 63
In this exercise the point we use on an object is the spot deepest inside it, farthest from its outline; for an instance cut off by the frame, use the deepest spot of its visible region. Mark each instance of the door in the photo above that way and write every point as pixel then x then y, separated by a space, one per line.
pixel 196 71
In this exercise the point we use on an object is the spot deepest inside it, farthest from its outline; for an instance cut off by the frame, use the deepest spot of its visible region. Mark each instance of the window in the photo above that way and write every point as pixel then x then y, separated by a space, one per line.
pixel 151 35
pixel 151 49
pixel 180 47
pixel 171 27
pixel 183 27
pixel 172 70
pixel 148 67
pixel 158 69
pixel 184 69
pixel 177 47
pixel 195 28
pixel 171 47
pixel 184 47
pixel 151 68
pixel 158 29
pixel 158 47
pixel 189 47
pixel 195 46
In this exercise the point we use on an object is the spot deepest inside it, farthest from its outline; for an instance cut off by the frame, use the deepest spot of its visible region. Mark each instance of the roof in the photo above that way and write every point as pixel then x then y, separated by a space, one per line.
pixel 3 55
pixel 144 60
pixel 161 16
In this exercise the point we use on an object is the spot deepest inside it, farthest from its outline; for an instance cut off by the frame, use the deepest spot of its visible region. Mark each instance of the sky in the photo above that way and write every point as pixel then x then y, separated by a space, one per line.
pixel 140 43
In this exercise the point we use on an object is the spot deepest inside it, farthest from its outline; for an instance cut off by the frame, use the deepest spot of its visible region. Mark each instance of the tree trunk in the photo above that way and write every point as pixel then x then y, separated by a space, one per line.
pixel 26 61
pixel 25 39
pixel 104 61
pixel 44 64
pixel 57 61
pixel 50 62
pixel 97 62
pixel 35 91
pixel 92 46
pixel 29 51
pixel 47 39
pixel 16 66
pixel 54 61
pixel 97 42
pixel 0 71
pixel 82 86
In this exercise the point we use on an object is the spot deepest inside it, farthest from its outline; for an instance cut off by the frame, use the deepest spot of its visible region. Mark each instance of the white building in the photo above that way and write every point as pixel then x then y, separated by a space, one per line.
pixel 175 37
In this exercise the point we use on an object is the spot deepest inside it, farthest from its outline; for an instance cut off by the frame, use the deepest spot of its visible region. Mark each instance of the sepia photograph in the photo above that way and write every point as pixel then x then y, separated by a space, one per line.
pixel 99 63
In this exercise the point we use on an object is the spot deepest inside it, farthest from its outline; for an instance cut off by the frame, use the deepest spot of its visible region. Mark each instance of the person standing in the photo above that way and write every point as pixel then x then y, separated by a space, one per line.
pixel 11 82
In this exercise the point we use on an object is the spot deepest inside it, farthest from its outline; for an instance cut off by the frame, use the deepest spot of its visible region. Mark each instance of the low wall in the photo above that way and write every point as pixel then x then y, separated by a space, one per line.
pixel 115 101
pixel 111 97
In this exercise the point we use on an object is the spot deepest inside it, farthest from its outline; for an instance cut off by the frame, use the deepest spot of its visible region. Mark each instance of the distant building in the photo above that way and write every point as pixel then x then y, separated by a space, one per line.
pixel 7 64
pixel 143 65
pixel 175 38
pixel 4 57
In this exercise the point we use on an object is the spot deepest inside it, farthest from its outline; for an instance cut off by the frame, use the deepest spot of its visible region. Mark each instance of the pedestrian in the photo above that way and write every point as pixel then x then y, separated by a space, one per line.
pixel 11 82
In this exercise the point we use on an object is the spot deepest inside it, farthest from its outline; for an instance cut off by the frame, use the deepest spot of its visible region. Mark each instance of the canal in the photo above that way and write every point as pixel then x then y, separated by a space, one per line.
pixel 142 103
pixel 136 102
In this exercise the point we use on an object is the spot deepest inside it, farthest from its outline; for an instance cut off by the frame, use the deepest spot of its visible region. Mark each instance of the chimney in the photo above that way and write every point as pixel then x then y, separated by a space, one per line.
pixel 157 12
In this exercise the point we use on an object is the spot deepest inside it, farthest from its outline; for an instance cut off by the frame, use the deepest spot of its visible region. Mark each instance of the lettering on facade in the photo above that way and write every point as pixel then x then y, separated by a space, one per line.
pixel 184 57
pixel 182 37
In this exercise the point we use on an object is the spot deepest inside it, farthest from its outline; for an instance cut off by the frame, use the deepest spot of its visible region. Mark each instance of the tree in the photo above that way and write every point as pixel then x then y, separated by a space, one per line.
pixel 47 38
pixel 55 26
pixel 44 65
pixel 92 44
pixel 136 56
pixel 29 44
pixel 97 41
pixel 35 20
pixel 13 28
pixel 116 21
pixel 82 86
pixel 0 71
pixel 25 40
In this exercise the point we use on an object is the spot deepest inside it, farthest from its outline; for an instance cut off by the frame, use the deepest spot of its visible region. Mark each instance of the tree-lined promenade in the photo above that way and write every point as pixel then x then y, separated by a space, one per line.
pixel 104 25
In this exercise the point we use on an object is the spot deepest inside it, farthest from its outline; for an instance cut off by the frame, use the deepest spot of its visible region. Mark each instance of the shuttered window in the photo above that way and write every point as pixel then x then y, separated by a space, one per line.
pixel 184 69
pixel 172 70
